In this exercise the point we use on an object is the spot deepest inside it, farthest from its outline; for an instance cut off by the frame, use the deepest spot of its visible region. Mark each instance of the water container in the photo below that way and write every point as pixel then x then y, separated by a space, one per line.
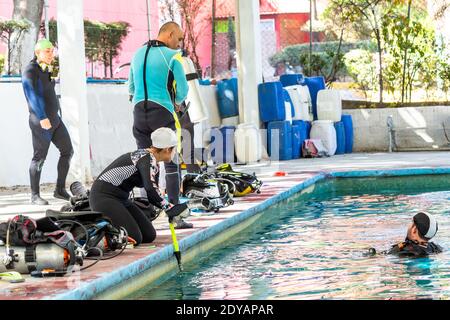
pixel 271 102
pixel 348 126
pixel 329 105
pixel 296 141
pixel 247 143
pixel 194 99
pixel 325 131
pixel 340 137
pixel 222 144
pixel 291 79
pixel 281 134
pixel 209 96
pixel 304 128
pixel 227 97
pixel 231 121
pixel 301 101
pixel 308 129
pixel 288 107
pixel 315 84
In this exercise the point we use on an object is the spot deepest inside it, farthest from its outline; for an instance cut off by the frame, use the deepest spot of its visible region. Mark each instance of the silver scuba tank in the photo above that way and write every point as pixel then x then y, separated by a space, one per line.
pixel 39 257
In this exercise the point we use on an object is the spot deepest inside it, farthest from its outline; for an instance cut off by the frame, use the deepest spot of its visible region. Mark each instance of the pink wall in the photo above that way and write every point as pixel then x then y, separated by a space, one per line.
pixel 132 11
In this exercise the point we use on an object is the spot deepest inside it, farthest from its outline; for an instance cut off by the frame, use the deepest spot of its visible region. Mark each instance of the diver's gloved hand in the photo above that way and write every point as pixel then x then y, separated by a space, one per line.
pixel 178 211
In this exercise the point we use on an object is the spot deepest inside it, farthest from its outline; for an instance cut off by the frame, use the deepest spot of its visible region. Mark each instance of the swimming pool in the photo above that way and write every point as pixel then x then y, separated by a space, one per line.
pixel 312 247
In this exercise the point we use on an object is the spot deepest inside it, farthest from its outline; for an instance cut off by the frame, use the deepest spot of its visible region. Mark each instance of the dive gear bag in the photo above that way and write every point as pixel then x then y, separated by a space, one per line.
pixel 212 193
pixel 242 183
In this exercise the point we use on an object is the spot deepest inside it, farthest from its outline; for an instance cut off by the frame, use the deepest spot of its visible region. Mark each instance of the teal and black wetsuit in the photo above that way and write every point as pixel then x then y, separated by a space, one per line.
pixel 39 89
pixel 166 86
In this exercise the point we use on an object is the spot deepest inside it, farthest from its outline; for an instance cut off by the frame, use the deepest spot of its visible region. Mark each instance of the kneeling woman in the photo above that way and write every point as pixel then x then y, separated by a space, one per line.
pixel 110 191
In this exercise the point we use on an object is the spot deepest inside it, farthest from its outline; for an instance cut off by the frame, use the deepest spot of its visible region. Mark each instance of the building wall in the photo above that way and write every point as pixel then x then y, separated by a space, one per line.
pixel 133 11
pixel 421 127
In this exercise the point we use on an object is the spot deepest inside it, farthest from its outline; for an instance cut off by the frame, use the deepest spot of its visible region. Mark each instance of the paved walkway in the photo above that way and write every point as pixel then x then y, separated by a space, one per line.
pixel 15 201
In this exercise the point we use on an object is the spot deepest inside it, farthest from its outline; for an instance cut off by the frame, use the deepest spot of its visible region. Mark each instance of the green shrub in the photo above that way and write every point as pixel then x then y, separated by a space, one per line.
pixel 2 62
pixel 291 54
pixel 361 66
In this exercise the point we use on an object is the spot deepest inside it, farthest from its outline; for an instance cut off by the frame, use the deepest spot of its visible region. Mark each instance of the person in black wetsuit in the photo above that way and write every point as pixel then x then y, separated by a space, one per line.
pixel 45 122
pixel 110 191
pixel 417 243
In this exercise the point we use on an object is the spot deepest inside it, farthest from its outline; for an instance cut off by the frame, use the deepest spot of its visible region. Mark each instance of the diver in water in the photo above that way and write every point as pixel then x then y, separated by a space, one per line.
pixel 417 243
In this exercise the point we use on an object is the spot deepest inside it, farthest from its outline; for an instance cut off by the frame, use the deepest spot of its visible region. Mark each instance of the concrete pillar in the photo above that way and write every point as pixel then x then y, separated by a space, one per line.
pixel 73 84
pixel 249 59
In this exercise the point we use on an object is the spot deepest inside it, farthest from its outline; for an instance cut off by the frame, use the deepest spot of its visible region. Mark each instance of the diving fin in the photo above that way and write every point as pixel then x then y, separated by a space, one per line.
pixel 12 277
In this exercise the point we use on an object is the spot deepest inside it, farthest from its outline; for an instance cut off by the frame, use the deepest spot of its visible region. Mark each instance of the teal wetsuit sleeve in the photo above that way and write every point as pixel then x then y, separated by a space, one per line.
pixel 34 94
pixel 180 78
pixel 131 87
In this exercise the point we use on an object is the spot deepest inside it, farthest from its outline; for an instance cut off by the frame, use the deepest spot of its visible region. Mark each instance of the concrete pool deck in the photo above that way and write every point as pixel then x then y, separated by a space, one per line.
pixel 146 264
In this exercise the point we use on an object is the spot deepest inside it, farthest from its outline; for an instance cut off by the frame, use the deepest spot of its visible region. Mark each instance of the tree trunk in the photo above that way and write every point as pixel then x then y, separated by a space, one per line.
pixel 380 63
pixel 111 66
pixel 23 52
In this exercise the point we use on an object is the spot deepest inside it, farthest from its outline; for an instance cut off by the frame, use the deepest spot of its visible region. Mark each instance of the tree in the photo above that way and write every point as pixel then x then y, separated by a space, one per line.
pixel 7 30
pixel 415 37
pixel 371 12
pixel 29 11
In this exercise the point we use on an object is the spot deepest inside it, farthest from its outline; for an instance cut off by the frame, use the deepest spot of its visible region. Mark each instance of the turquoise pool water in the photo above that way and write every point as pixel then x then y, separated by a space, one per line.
pixel 312 247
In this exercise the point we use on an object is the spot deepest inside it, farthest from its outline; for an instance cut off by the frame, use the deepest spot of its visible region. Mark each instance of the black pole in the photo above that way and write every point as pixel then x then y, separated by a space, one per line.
pixel 406 54
pixel 213 39
pixel 310 37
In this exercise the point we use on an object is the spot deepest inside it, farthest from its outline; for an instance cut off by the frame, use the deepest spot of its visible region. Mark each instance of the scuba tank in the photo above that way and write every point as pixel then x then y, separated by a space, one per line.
pixel 35 246
pixel 38 257
pixel 242 183
pixel 214 194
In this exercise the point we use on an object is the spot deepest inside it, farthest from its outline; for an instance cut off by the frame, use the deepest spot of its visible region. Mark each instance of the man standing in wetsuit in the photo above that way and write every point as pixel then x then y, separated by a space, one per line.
pixel 158 85
pixel 45 122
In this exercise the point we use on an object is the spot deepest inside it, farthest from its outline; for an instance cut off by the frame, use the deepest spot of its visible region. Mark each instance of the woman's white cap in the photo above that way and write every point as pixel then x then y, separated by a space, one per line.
pixel 164 138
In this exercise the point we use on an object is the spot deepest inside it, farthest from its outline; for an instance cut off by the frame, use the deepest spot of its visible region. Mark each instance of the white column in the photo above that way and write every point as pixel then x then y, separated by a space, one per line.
pixel 73 84
pixel 249 59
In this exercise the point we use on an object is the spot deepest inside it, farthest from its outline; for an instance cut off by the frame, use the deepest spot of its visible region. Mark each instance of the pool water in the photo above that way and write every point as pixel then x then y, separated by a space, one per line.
pixel 313 247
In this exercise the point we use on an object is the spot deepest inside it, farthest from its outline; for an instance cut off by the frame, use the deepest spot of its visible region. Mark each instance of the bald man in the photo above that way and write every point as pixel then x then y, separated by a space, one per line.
pixel 158 85
pixel 45 122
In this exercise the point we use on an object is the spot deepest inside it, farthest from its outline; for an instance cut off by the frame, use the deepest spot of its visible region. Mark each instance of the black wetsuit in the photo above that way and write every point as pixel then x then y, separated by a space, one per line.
pixel 40 94
pixel 410 248
pixel 110 193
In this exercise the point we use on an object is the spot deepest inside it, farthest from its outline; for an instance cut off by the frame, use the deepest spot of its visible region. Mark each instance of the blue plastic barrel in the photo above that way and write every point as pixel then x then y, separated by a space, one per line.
pixel 284 147
pixel 315 84
pixel 291 79
pixel 305 128
pixel 348 127
pixel 227 98
pixel 296 141
pixel 287 99
pixel 271 101
pixel 308 129
pixel 222 144
pixel 340 137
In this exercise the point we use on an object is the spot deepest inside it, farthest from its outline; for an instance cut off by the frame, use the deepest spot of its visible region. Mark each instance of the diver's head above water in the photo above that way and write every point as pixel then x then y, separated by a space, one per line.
pixel 423 228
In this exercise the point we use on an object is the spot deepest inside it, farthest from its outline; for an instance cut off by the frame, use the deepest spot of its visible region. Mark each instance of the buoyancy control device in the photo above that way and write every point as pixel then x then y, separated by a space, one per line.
pixel 205 188
pixel 241 183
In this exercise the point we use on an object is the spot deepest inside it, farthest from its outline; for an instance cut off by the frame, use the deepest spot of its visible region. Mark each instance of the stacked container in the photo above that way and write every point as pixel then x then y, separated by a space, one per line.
pixel 247 143
pixel 315 84
pixel 324 130
pixel 228 100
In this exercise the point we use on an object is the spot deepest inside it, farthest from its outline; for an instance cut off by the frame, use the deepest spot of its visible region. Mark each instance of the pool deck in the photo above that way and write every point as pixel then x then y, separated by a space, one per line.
pixel 102 280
